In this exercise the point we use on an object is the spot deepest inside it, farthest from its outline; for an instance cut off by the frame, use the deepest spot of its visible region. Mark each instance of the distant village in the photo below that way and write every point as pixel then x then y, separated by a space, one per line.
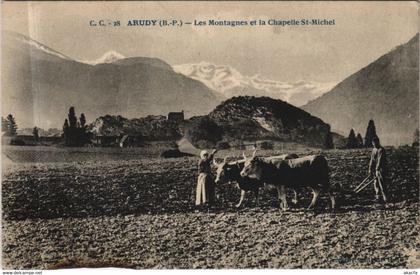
pixel 75 133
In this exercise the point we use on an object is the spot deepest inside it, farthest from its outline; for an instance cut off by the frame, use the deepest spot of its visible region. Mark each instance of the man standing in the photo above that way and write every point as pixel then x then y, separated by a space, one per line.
pixel 378 169
pixel 205 192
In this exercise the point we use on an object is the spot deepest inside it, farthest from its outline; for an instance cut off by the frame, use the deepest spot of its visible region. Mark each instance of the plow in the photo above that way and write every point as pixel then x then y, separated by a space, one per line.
pixel 365 183
pixel 369 180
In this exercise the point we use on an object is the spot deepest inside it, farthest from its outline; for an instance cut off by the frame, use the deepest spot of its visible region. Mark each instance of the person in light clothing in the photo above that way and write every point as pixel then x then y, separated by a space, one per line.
pixel 378 169
pixel 205 185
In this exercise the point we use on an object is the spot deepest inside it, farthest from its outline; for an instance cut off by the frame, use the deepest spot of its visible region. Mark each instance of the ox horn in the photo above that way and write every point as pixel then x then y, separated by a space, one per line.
pixel 243 154
pixel 225 159
pixel 253 154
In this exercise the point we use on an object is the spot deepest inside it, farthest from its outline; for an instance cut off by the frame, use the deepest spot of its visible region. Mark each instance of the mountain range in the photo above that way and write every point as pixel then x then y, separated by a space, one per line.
pixel 229 82
pixel 387 91
pixel 39 85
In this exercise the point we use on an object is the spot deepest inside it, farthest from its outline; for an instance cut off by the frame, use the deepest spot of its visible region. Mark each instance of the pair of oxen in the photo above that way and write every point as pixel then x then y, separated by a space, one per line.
pixel 281 172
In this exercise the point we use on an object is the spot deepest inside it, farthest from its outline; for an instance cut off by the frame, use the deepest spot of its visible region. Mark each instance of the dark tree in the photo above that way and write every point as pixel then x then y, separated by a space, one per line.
pixel 66 130
pixel 359 140
pixel 370 134
pixel 84 135
pixel 72 135
pixel 65 126
pixel 416 138
pixel 351 140
pixel 11 126
pixel 82 120
pixel 74 131
pixel 72 118
pixel 35 133
pixel 328 143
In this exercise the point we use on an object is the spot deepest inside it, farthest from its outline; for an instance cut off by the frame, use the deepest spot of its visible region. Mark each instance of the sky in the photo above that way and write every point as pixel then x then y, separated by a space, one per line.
pixel 363 31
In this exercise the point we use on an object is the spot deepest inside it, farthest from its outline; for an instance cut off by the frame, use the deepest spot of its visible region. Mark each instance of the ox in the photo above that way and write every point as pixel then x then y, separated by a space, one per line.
pixel 231 172
pixel 310 171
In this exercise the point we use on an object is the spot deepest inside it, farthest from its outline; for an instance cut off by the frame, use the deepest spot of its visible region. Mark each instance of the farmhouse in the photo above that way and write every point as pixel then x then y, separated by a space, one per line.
pixel 105 140
pixel 176 116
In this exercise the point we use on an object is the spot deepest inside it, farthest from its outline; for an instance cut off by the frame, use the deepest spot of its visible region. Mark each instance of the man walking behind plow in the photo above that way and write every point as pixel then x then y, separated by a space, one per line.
pixel 378 169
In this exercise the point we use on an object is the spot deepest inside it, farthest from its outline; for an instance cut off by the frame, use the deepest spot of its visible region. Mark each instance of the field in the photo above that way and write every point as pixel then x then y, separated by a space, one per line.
pixel 137 211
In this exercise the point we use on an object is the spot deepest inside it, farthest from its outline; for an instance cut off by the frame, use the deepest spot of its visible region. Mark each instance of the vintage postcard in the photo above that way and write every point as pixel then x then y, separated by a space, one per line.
pixel 210 135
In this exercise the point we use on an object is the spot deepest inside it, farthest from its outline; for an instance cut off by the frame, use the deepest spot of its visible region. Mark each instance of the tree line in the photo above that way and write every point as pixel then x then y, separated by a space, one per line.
pixel 75 132
pixel 356 141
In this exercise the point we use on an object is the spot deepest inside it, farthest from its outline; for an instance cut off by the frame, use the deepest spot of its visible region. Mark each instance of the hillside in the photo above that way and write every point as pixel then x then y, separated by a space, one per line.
pixel 256 118
pixel 386 91
pixel 39 84
pixel 237 120
pixel 148 128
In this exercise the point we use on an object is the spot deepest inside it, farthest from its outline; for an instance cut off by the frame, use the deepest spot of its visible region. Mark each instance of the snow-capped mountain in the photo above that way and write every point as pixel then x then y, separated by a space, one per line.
pixel 108 57
pixel 39 85
pixel 230 82
pixel 38 50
